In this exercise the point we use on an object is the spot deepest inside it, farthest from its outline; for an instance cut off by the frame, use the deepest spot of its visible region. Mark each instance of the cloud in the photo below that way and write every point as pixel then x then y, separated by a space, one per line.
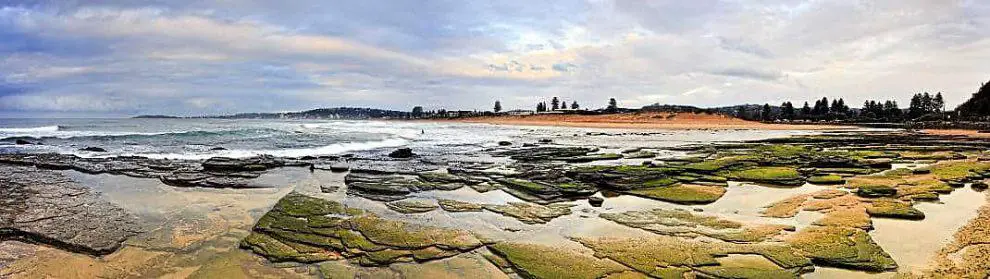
pixel 759 74
pixel 564 67
pixel 207 57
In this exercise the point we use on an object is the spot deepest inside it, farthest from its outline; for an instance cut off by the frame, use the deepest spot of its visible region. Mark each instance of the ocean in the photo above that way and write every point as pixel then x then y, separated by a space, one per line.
pixel 204 138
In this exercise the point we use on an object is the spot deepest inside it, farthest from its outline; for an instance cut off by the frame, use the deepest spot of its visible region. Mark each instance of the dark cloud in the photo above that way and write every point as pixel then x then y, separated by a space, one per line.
pixel 759 74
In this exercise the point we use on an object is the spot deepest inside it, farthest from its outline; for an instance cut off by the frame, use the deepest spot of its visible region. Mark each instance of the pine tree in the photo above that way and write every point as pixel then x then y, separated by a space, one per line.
pixel 574 105
pixel 806 111
pixel 612 105
pixel 498 106
pixel 916 108
pixel 787 110
pixel 417 112
pixel 824 106
pixel 766 114
pixel 938 102
pixel 554 103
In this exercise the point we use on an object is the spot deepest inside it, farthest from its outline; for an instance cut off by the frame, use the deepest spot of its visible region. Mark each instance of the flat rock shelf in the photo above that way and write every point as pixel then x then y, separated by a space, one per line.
pixel 552 203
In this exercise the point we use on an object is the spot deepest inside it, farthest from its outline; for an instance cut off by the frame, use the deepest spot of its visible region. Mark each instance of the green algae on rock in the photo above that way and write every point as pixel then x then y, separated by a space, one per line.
pixel 842 247
pixel 829 179
pixel 530 213
pixel 411 206
pixel 306 229
pixel 459 206
pixel 875 191
pixel 671 257
pixel 684 223
pixel 682 194
pixel 890 208
pixel 538 261
pixel 771 175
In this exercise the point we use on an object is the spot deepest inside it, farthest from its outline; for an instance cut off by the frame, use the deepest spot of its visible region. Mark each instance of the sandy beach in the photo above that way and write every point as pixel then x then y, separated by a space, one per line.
pixel 676 121
pixel 958 132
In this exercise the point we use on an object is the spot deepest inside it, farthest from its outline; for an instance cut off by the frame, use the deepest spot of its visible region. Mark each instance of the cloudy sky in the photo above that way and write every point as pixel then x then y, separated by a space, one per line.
pixel 185 57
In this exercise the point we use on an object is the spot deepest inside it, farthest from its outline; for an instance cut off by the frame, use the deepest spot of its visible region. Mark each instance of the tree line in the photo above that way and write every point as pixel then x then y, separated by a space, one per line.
pixel 557 104
pixel 923 106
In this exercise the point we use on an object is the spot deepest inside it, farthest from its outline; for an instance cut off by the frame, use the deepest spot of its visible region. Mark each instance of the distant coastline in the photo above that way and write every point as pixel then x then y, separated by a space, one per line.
pixel 644 120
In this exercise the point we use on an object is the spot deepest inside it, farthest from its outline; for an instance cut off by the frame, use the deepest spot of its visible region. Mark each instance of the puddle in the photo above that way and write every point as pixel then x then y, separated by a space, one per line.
pixel 913 243
pixel 831 272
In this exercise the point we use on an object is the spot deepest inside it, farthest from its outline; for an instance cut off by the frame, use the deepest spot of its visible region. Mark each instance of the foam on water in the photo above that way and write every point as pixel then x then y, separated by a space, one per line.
pixel 331 149
pixel 30 130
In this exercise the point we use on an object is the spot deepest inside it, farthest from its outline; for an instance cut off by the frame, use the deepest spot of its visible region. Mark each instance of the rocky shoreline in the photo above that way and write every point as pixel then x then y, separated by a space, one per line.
pixel 45 207
pixel 859 171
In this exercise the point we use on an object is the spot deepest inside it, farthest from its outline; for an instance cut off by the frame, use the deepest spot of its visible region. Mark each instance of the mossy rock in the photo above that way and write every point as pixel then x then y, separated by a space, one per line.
pixel 524 185
pixel 640 155
pixel 959 170
pixel 411 206
pixel 592 157
pixel 826 180
pixel 711 166
pixel 404 235
pixel 538 261
pixel 891 208
pixel 771 175
pixel 875 191
pixel 299 205
pixel 735 272
pixel 842 247
pixel 459 206
pixel 652 256
pixel 672 257
pixel 682 194
pixel 673 222
pixel 530 213
pixel 278 251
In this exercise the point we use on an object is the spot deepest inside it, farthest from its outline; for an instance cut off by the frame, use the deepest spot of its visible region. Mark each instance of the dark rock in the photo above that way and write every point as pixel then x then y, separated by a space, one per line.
pixel 546 141
pixel 955 183
pixel 921 171
pixel 93 149
pixel 874 191
pixel 546 153
pixel 22 142
pixel 529 145
pixel 596 201
pixel 402 153
pixel 218 148
pixel 329 188
pixel 42 206
pixel 979 186
pixel 206 180
pixel 339 167
pixel 504 143
pixel 258 163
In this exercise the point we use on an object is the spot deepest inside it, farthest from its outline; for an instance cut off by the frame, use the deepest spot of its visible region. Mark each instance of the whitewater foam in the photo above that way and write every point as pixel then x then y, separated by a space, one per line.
pixel 331 149
pixel 41 129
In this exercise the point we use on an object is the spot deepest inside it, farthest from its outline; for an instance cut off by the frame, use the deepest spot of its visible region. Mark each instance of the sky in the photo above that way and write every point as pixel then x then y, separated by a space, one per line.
pixel 183 57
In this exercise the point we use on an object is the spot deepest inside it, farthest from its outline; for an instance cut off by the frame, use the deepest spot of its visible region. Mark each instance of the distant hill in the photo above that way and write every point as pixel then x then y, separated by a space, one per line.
pixel 156 116
pixel 322 113
pixel 978 105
